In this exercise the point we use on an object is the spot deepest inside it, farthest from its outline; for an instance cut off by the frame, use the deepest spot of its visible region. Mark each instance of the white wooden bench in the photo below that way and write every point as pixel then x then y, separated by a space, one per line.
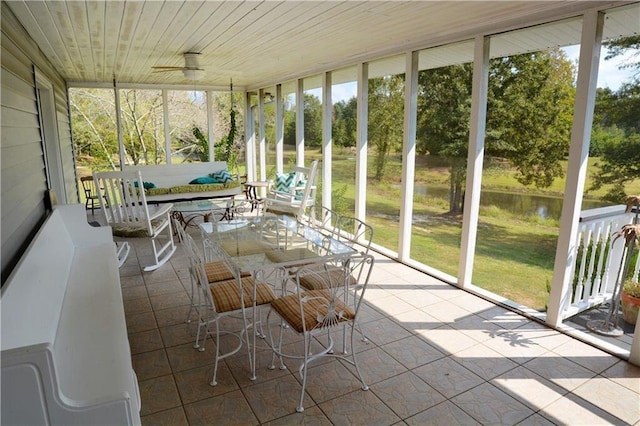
pixel 65 351
pixel 172 182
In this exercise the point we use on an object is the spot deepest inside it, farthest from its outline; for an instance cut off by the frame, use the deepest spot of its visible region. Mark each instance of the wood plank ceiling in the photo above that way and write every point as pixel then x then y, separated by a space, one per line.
pixel 257 43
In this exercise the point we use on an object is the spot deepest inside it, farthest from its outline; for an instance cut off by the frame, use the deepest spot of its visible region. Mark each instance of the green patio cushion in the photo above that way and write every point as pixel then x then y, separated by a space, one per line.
pixel 157 191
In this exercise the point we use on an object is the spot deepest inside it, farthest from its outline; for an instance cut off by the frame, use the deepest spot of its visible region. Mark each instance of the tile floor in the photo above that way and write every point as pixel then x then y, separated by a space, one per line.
pixel 436 355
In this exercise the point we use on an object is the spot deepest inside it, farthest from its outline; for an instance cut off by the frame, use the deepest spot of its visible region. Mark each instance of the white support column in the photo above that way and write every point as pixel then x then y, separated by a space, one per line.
pixel 300 123
pixel 279 129
pixel 327 139
pixel 590 44
pixel 262 137
pixel 123 151
pixel 167 130
pixel 362 140
pixel 475 159
pixel 210 122
pixel 250 157
pixel 408 154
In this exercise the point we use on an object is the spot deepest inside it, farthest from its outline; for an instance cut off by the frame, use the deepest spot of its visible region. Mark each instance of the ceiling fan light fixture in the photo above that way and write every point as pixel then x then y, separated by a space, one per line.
pixel 195 74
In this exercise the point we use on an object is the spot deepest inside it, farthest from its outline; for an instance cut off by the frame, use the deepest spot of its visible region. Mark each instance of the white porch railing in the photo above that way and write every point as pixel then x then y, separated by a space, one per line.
pixel 598 258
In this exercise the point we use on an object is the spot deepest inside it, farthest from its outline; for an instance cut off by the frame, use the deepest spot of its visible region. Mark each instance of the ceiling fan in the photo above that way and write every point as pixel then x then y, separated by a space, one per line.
pixel 191 68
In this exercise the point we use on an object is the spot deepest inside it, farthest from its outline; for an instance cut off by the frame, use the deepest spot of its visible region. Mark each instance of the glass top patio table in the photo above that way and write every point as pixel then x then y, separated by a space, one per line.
pixel 272 241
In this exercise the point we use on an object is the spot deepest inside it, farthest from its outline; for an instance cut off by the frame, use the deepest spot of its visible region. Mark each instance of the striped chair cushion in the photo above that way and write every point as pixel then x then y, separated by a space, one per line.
pixel 218 271
pixel 315 308
pixel 226 295
pixel 322 281
pixel 291 255
pixel 244 248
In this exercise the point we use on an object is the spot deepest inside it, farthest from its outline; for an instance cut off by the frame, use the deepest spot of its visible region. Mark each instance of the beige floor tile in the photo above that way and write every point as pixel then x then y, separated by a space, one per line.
pixel 151 364
pixel 560 371
pixel 185 357
pixel 574 410
pixel 176 315
pixel 171 417
pixel 276 398
pixel 162 274
pixel 358 408
pixel 611 397
pixel 330 380
pixel 406 394
pixel 504 318
pixel 137 323
pixel 447 311
pixel 412 352
pixel 518 345
pixel 419 298
pixel 531 389
pixel 478 328
pixel 134 292
pixel 448 377
pixel 136 306
pixel 171 300
pixel 131 280
pixel 230 408
pixel 536 420
pixel 239 366
pixel 145 341
pixel 417 320
pixel 483 361
pixel 471 303
pixel 312 416
pixel 443 291
pixel 375 365
pixel 489 405
pixel 447 339
pixel 444 414
pixel 164 287
pixel 158 394
pixel 625 374
pixel 384 331
pixel 178 334
pixel 586 355
pixel 195 384
pixel 391 305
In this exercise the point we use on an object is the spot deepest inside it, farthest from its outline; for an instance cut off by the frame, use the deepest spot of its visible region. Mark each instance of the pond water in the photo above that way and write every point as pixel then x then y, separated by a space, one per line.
pixel 546 207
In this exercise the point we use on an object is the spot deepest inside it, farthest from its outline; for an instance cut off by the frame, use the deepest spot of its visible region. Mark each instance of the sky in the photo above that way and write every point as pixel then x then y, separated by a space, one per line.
pixel 608 75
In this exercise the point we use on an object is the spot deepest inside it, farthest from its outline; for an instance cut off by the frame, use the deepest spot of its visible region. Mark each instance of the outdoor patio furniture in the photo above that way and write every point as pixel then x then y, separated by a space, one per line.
pixel 314 313
pixel 90 193
pixel 125 209
pixel 295 193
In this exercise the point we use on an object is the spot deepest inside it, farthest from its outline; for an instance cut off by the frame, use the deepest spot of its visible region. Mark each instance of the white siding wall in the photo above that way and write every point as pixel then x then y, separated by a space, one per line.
pixel 23 175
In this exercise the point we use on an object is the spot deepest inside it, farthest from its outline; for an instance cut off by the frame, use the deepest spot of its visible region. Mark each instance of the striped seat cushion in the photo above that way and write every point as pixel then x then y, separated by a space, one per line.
pixel 291 255
pixel 218 271
pixel 315 310
pixel 226 294
pixel 244 248
pixel 322 281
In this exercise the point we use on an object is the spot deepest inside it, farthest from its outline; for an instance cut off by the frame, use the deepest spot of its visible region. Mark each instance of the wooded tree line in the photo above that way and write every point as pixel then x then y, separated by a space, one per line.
pixel 529 118
pixel 93 115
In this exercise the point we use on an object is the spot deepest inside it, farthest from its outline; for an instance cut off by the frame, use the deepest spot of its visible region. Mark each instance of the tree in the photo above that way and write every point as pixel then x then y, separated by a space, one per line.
pixel 386 111
pixel 619 113
pixel 344 128
pixel 530 112
pixel 444 105
pixel 312 123
pixel 529 116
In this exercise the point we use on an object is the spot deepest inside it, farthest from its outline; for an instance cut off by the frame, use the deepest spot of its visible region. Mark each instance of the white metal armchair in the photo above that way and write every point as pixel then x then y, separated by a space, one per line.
pixel 295 196
pixel 125 209
pixel 332 308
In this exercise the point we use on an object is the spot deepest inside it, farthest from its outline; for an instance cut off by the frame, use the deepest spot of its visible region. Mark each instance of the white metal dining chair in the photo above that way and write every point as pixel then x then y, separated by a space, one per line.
pixel 311 313
pixel 233 297
pixel 125 209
